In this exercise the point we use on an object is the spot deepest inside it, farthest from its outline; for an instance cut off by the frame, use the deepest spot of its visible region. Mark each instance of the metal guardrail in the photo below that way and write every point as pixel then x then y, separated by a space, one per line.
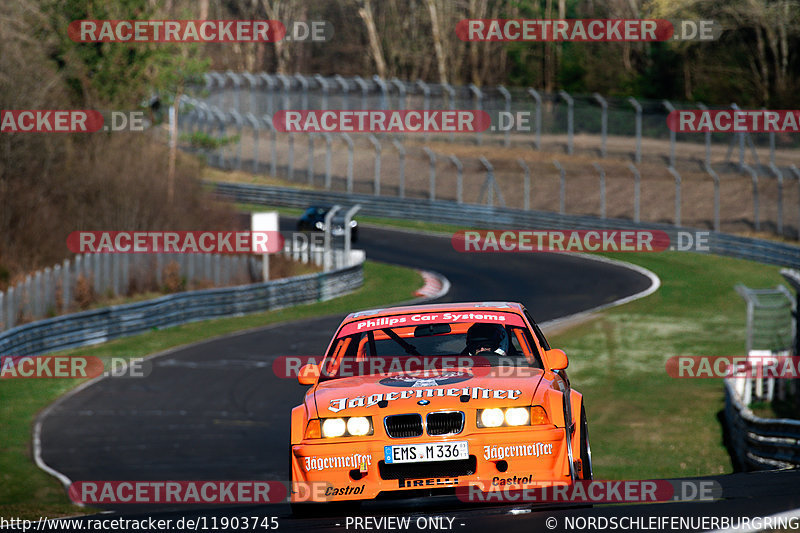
pixel 448 212
pixel 759 443
pixel 101 325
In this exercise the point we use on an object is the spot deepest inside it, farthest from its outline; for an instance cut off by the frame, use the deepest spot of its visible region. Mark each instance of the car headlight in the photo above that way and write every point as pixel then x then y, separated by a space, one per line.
pixel 517 416
pixel 511 417
pixel 358 426
pixel 333 427
pixel 354 426
pixel 491 418
pixel 320 225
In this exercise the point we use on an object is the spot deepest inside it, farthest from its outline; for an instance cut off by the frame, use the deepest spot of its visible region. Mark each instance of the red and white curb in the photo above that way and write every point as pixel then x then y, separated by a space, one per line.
pixel 435 285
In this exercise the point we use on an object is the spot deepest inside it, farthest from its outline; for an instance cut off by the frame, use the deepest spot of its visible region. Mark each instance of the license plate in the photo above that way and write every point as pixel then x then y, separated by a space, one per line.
pixel 426 452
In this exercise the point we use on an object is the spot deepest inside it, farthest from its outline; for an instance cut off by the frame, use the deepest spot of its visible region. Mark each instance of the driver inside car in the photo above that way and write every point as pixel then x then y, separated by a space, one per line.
pixel 486 339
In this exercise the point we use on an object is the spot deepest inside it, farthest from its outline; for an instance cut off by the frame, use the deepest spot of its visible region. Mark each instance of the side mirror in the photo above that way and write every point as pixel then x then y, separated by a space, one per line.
pixel 308 374
pixel 556 358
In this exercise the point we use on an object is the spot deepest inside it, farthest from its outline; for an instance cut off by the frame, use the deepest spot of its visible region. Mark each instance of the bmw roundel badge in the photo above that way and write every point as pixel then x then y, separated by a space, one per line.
pixel 424 402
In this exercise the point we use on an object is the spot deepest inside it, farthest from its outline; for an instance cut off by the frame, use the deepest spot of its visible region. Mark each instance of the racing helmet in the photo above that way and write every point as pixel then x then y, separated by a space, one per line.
pixel 483 336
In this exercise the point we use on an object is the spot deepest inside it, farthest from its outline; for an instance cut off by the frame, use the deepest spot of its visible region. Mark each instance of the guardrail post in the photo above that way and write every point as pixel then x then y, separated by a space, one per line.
pixel 603 123
pixel 348 230
pixel 637 191
pixel 677 194
pixel 377 145
pixel 432 173
pixel 754 178
pixel 562 191
pixel 328 153
pixel 715 177
pixel 426 102
pixel 672 135
pixel 602 189
pixel 778 174
pixel 570 118
pixel 796 173
pixel 349 142
pixel 538 122
pixel 638 107
pixel 478 94
pixel 310 167
pixel 459 178
pixel 526 187
pixel 507 98
pixel 401 154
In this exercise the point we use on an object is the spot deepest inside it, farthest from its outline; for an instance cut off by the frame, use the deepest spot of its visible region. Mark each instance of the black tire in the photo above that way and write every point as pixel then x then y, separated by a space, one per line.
pixel 586 450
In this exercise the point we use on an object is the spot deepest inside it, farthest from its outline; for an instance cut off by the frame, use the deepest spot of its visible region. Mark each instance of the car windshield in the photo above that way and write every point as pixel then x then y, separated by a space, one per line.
pixel 429 346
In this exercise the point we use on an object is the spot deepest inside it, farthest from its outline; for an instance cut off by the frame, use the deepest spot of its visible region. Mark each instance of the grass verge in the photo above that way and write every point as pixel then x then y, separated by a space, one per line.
pixel 29 493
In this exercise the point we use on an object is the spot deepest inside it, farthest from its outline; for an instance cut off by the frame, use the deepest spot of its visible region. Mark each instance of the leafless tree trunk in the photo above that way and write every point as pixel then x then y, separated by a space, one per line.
pixel 437 42
pixel 365 12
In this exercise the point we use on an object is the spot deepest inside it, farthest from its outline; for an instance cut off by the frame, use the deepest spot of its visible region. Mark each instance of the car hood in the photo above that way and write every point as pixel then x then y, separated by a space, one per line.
pixel 403 391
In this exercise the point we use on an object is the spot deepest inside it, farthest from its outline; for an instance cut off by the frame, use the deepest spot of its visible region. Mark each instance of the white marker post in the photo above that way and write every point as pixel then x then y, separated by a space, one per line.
pixel 267 221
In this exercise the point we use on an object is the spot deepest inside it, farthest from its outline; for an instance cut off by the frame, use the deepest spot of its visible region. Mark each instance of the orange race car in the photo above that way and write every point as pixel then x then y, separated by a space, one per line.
pixel 418 400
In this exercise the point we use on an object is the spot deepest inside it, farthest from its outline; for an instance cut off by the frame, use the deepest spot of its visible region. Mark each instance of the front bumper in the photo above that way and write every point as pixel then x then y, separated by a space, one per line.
pixel 356 470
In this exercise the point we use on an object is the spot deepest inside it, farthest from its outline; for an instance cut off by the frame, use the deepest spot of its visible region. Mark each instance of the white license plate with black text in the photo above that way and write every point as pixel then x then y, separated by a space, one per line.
pixel 426 452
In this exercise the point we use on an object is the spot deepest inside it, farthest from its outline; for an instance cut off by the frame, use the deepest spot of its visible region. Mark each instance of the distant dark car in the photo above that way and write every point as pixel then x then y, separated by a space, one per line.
pixel 313 219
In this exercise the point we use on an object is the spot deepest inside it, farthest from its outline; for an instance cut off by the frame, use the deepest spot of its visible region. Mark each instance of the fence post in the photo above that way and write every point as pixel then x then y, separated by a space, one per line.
pixel 796 173
pixel 426 91
pixel 562 192
pixel 677 194
pixel 273 156
pixel 328 150
pixel 603 123
pixel 602 189
pixel 270 92
pixel 252 82
pixel 11 308
pixel 310 167
pixel 401 154
pixel 349 142
pixel 778 174
pixel 221 84
pixel 401 92
pixel 754 178
pixel 526 191
pixel 507 98
pixel 327 249
pixel 715 177
pixel 304 85
pixel 491 185
pixel 286 83
pixel 251 118
pixel 703 107
pixel 638 107
pixel 348 231
pixel 478 94
pixel 672 135
pixel 237 119
pixel 637 193
pixel 384 90
pixel 363 85
pixel 451 102
pixel 345 90
pixel 324 86
pixel 377 145
pixel 2 312
pixel 237 82
pixel 66 286
pixel 538 123
pixel 459 178
pixel 570 118
pixel 431 174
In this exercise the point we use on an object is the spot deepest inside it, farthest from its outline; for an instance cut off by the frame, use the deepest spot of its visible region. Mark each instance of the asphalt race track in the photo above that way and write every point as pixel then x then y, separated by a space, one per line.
pixel 215 410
